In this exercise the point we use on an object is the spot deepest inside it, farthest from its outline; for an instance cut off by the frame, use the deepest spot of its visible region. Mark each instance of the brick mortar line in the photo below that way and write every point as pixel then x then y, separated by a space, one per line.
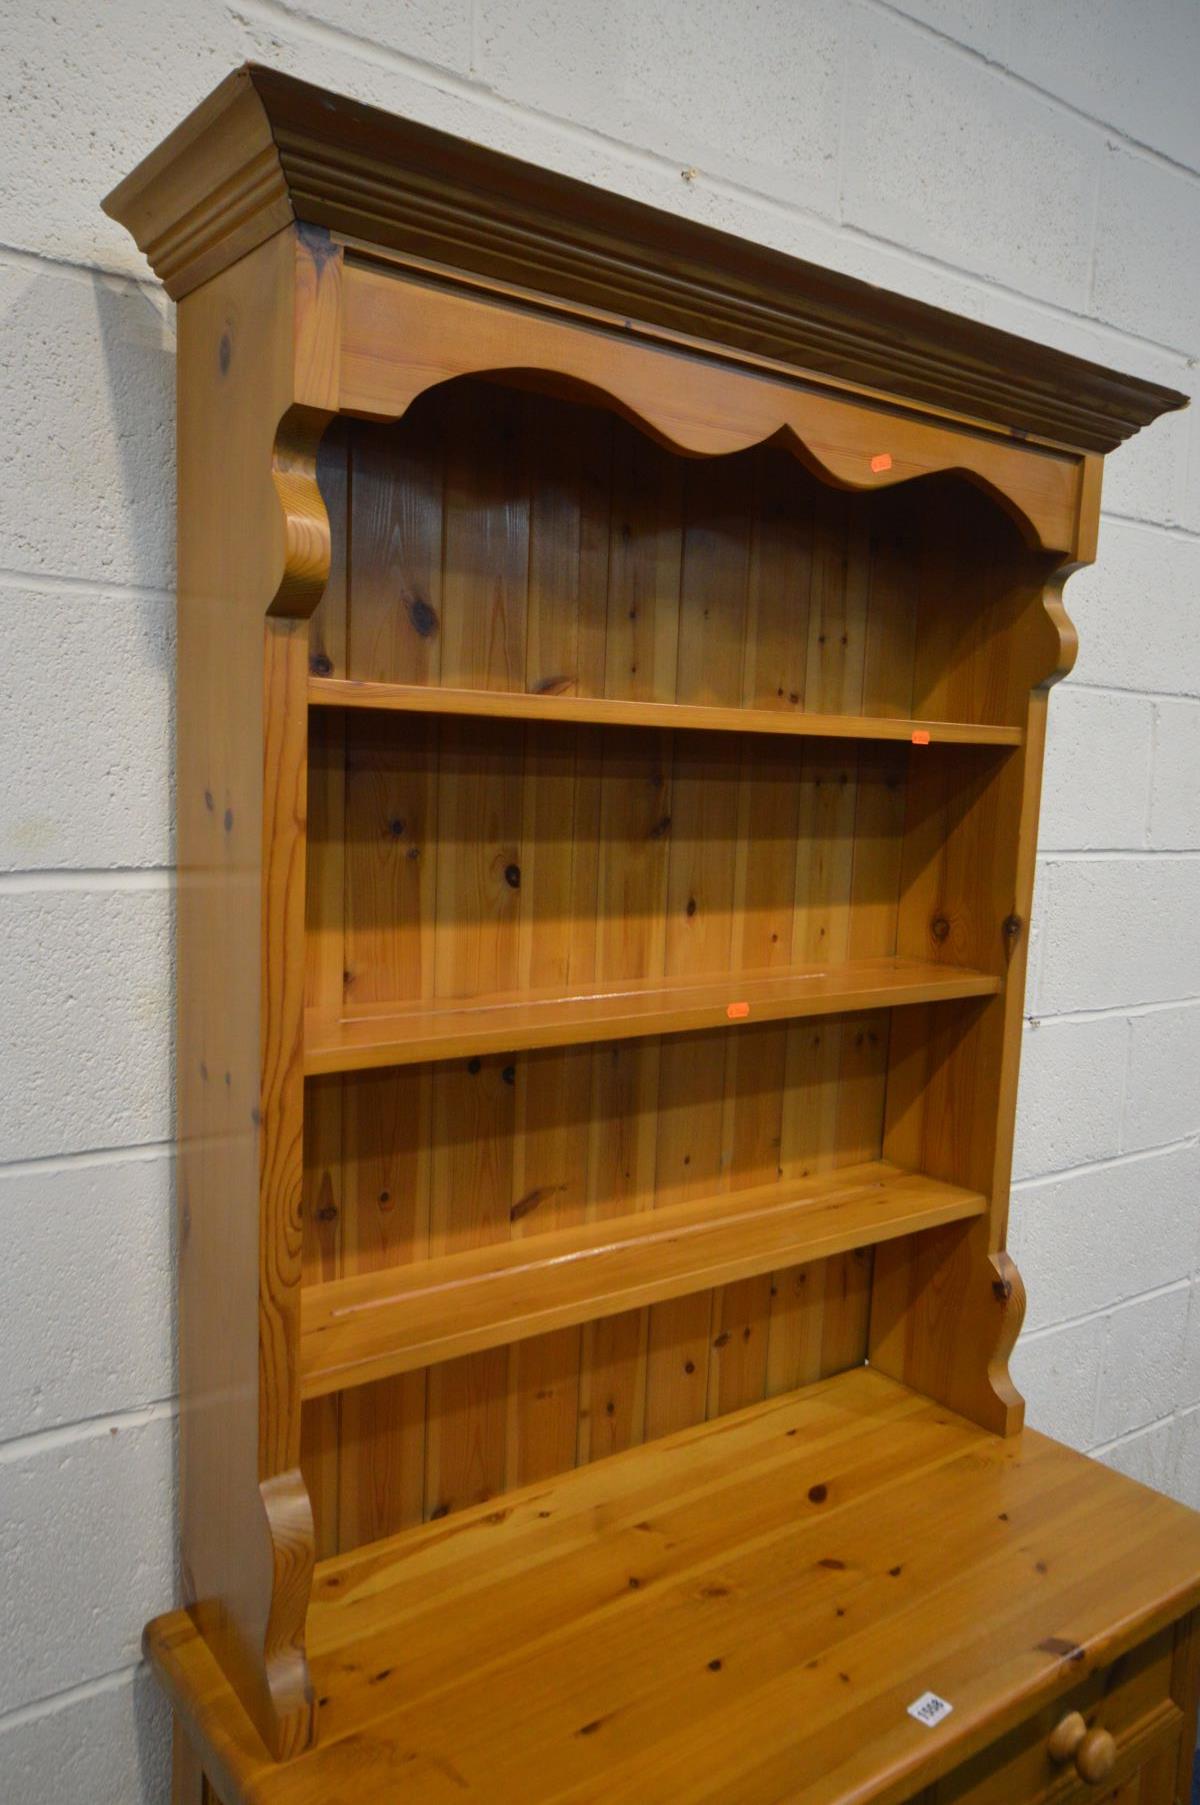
pixel 94 588
pixel 16 256
pixel 100 880
pixel 1146 152
pixel 103 880
pixel 1114 855
pixel 80 1693
pixel 101 1427
pixel 477 85
pixel 446 80
pixel 1140 695
pixel 1122 1011
pixel 1105 1314
pixel 1106 1163
pixel 379 55
pixel 1171 528
pixel 88 1159
pixel 1131 1435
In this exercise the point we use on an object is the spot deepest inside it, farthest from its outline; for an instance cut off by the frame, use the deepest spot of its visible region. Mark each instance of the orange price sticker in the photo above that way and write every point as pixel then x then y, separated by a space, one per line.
pixel 881 461
pixel 920 737
pixel 737 1011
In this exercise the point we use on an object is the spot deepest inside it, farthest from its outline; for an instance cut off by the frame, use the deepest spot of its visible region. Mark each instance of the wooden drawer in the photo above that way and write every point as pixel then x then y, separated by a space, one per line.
pixel 1131 1699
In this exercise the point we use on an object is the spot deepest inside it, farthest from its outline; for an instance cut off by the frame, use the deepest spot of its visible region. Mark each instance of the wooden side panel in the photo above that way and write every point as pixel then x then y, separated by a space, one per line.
pixel 990 637
pixel 257 377
pixel 189 1785
pixel 323 1213
pixel 1185 1691
pixel 323 1206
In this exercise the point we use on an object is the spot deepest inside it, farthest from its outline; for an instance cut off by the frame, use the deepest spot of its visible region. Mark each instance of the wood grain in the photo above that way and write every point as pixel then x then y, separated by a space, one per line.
pixel 188 1784
pixel 634 849
pixel 443 1030
pixel 332 692
pixel 844 1550
pixel 253 553
pixel 389 1320
pixel 402 338
pixel 613 679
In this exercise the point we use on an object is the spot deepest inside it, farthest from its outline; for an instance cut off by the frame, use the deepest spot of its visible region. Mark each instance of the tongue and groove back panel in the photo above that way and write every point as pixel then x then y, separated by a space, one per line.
pixel 499 539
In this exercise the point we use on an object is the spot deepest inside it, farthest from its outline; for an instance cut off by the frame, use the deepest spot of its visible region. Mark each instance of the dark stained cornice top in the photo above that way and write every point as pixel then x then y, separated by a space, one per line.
pixel 265 149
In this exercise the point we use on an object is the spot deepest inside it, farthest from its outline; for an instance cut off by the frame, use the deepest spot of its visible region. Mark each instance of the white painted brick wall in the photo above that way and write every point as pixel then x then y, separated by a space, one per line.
pixel 1032 163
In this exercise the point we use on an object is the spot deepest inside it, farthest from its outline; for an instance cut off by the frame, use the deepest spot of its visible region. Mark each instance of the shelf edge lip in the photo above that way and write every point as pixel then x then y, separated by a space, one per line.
pixel 950 1203
pixel 325 1054
pixel 609 711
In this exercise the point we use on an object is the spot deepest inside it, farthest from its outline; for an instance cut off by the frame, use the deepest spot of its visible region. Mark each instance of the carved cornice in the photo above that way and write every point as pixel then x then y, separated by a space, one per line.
pixel 265 149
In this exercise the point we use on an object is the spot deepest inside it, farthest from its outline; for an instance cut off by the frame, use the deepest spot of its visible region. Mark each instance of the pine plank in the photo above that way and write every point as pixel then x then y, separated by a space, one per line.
pixel 622 1153
pixel 610 711
pixel 394 540
pixel 646 551
pixel 473 1145
pixel 487 1295
pixel 386 1206
pixel 740 1613
pixel 451 1028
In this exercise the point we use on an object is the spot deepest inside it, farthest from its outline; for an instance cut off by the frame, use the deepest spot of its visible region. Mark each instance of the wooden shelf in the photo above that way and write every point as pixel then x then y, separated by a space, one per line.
pixel 393 1321
pixel 719 1614
pixel 385 1036
pixel 414 698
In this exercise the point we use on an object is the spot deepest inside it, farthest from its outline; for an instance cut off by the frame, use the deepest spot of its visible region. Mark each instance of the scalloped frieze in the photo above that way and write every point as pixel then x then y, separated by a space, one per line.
pixel 401 338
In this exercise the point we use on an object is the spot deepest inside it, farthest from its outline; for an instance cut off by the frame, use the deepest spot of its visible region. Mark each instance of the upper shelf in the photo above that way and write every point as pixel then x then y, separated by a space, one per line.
pixel 605 711
pixel 447 1028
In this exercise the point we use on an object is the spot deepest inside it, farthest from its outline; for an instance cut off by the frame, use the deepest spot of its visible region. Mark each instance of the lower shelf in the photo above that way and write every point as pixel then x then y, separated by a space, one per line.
pixel 377 1324
pixel 743 1612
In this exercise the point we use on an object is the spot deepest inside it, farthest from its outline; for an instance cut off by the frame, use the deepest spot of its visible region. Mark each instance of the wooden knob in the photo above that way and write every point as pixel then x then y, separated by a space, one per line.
pixel 1093 1751
pixel 1096 1757
pixel 1066 1737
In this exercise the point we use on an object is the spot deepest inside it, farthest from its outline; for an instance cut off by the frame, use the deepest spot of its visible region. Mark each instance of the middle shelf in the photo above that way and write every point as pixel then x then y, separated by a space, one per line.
pixel 385 1034
pixel 397 1319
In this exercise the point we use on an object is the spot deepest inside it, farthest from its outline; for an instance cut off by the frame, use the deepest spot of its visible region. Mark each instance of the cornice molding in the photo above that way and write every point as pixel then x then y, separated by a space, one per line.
pixel 265 149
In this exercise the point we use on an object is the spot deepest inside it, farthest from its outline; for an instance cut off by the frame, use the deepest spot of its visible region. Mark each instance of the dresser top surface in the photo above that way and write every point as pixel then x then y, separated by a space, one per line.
pixel 744 1611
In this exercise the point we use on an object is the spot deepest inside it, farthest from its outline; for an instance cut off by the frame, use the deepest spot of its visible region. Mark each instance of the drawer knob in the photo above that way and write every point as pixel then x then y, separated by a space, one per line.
pixel 1093 1751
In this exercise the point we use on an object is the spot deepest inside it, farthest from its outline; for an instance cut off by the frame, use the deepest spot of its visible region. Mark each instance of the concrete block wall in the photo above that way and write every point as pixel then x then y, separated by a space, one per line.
pixel 1033 163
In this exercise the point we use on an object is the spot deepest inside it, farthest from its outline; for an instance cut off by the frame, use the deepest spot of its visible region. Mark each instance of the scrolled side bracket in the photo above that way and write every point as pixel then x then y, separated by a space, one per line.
pixel 307 544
